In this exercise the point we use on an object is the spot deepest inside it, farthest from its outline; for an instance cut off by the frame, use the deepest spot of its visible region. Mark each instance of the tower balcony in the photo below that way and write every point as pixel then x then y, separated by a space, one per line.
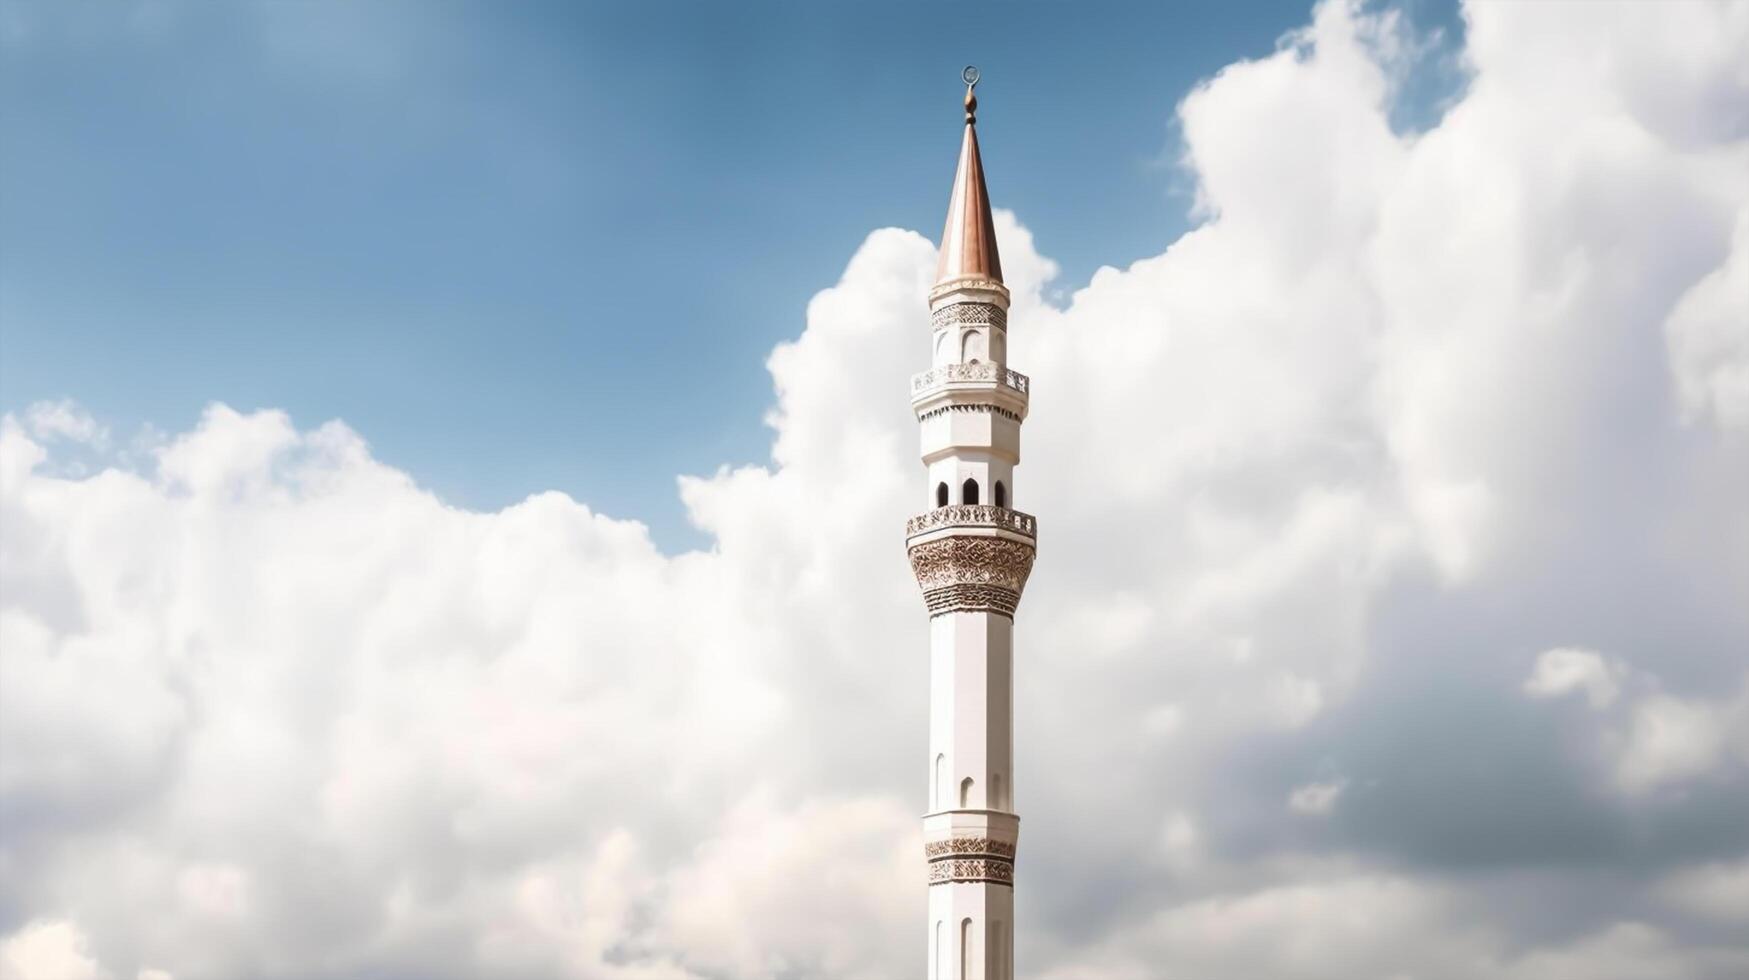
pixel 941 521
pixel 976 376
pixel 980 386
pixel 971 558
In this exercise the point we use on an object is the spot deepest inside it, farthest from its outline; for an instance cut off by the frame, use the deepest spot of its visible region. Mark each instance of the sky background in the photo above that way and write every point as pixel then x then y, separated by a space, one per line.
pixel 375 601
pixel 545 245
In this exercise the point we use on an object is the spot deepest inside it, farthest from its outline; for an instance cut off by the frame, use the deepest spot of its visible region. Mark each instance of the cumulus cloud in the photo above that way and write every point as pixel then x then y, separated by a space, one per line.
pixel 48 951
pixel 1311 485
pixel 65 420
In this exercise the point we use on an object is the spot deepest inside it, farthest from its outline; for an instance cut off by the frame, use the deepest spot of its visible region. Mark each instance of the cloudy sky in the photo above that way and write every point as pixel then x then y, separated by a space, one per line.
pixel 453 467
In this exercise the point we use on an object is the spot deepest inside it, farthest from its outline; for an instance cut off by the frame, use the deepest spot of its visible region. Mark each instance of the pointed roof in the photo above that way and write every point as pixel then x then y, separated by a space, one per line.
pixel 968 243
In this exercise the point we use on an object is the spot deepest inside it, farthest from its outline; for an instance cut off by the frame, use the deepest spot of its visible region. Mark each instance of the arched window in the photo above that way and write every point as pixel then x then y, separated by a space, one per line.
pixel 941 495
pixel 1001 497
pixel 938 790
pixel 966 792
pixel 969 492
pixel 974 347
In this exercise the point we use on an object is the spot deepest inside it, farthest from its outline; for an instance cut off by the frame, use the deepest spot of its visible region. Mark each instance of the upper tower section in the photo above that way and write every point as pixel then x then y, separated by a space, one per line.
pixel 969 304
pixel 968 243
pixel 971 551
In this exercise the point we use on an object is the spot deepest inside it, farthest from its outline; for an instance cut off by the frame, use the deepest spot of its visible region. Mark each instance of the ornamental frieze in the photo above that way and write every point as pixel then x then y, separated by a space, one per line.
pixel 972 560
pixel 935 850
pixel 969 315
pixel 971 598
pixel 974 869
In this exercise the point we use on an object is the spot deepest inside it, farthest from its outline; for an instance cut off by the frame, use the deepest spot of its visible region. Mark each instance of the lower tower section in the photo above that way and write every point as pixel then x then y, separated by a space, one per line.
pixel 971 895
pixel 971 562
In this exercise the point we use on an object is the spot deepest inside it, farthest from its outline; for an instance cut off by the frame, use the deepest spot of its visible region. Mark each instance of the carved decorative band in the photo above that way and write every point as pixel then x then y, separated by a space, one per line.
pixel 992 870
pixel 967 560
pixel 970 859
pixel 971 598
pixel 958 407
pixel 971 282
pixel 937 850
pixel 969 315
pixel 973 515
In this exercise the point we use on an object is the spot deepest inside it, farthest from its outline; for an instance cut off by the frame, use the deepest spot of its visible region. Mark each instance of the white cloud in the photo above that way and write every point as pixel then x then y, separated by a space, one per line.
pixel 1324 927
pixel 65 420
pixel 48 951
pixel 1400 403
pixel 1672 739
pixel 1567 669
pixel 1662 738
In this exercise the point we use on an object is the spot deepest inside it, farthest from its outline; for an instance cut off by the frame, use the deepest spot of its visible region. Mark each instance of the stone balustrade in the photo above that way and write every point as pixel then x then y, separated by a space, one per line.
pixel 978 371
pixel 973 515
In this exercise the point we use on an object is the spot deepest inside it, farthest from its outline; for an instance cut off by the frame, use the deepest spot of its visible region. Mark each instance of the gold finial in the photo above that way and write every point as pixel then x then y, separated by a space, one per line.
pixel 970 77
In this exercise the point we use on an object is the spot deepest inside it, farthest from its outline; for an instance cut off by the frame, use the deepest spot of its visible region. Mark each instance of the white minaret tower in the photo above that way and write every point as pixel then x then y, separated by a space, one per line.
pixel 971 552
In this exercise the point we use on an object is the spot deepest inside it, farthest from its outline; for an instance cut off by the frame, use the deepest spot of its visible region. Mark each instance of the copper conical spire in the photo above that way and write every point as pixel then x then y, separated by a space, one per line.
pixel 968 243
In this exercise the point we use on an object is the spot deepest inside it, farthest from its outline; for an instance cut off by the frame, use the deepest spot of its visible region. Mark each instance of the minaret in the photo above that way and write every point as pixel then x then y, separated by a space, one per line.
pixel 971 552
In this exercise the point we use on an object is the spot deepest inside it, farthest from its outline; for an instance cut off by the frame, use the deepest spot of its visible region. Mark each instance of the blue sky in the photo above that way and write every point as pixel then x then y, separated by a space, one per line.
pixel 534 246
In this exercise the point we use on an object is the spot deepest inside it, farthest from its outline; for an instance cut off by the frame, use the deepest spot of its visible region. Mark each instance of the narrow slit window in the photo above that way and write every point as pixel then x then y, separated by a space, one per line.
pixel 965 949
pixel 966 791
pixel 1001 495
pixel 939 966
pixel 941 495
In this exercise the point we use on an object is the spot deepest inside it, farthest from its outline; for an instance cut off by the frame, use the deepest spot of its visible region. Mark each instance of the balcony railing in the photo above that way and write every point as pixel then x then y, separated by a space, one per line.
pixel 973 515
pixel 980 371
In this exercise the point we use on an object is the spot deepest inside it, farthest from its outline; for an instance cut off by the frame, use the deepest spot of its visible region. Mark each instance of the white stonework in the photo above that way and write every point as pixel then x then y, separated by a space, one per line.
pixel 971 552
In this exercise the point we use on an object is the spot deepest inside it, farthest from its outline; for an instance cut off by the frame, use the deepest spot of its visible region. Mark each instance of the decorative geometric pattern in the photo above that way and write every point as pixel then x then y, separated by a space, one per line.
pixel 970 859
pixel 969 315
pixel 957 407
pixel 971 598
pixel 935 850
pixel 969 560
pixel 966 573
pixel 994 872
